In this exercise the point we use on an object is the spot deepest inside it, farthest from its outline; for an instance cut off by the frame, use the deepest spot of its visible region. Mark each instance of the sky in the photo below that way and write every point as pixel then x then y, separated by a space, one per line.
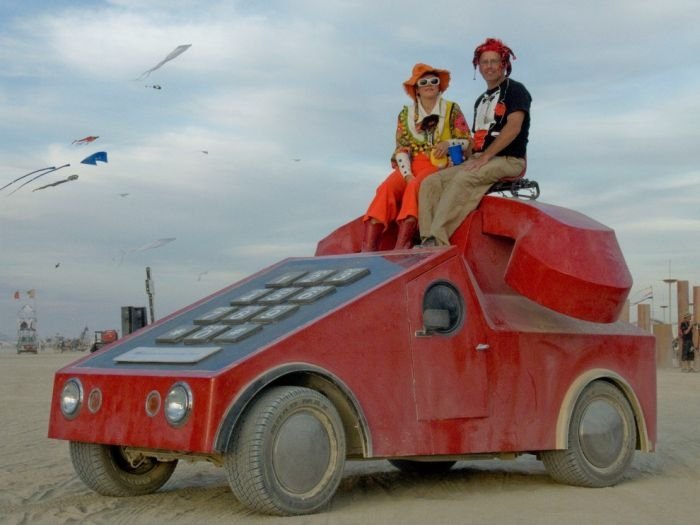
pixel 295 105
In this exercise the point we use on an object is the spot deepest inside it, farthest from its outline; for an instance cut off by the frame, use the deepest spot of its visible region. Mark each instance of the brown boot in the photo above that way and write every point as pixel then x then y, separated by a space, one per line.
pixel 406 235
pixel 372 235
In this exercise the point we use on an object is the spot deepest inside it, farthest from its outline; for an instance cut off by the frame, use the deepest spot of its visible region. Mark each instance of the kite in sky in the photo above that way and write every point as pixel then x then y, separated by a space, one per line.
pixel 41 173
pixel 154 86
pixel 70 178
pixel 173 54
pixel 49 169
pixel 153 244
pixel 92 159
pixel 85 140
pixel 148 246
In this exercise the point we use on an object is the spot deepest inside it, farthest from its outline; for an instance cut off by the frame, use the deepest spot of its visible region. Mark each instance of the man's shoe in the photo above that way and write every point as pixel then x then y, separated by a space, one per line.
pixel 430 242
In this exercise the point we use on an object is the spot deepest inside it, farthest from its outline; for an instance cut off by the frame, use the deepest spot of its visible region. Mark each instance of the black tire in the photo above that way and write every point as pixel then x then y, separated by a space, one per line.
pixel 602 440
pixel 286 455
pixel 422 468
pixel 105 469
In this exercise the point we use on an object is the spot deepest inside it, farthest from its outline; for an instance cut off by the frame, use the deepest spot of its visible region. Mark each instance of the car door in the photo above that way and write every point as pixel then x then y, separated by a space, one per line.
pixel 449 365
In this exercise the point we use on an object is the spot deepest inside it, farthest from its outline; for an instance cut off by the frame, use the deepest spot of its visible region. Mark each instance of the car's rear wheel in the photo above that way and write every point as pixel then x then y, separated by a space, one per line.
pixel 286 456
pixel 602 439
pixel 108 470
pixel 422 468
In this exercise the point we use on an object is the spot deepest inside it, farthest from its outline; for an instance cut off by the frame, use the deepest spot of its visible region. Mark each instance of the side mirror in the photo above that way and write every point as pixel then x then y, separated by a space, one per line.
pixel 434 319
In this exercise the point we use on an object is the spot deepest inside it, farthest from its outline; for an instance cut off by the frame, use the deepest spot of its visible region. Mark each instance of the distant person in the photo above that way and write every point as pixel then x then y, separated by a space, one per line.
pixel 687 350
pixel 425 130
pixel 501 128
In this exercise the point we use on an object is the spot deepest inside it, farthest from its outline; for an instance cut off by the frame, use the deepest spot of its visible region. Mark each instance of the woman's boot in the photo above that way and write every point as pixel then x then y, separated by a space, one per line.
pixel 407 234
pixel 372 235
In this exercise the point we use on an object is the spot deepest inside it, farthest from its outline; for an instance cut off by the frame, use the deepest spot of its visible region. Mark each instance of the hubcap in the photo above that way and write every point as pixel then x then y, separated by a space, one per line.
pixel 601 433
pixel 301 453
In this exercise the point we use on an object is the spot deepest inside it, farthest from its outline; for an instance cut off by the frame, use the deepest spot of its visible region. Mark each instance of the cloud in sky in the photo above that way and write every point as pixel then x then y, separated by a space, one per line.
pixel 266 82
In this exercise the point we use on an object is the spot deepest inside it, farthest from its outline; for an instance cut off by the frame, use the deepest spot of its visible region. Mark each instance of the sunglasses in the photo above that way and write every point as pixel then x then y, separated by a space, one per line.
pixel 434 81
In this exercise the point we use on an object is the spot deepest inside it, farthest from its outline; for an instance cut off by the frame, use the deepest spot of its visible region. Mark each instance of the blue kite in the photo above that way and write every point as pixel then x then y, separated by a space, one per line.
pixel 92 159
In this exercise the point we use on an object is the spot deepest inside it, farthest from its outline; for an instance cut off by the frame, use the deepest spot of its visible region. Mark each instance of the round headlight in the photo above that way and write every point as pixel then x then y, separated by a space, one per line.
pixel 178 404
pixel 71 398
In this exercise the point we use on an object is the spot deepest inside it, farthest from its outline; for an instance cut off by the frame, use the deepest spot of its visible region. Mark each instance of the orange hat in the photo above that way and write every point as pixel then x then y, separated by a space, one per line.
pixel 421 69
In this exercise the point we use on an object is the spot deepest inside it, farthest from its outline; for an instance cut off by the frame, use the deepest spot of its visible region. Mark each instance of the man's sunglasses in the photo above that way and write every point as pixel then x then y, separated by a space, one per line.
pixel 434 81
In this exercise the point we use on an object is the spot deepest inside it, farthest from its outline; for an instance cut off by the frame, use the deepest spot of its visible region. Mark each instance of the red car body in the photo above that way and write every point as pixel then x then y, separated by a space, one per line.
pixel 534 290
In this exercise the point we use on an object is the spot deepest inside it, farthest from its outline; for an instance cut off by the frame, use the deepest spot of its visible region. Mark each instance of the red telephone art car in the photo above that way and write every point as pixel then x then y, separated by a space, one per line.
pixel 507 342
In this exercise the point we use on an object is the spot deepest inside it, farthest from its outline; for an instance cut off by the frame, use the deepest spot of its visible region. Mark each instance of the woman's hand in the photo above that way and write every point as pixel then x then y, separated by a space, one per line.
pixel 440 149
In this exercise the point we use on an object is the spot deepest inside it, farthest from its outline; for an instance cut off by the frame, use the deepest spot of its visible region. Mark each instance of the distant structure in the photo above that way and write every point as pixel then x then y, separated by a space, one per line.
pixel 27 340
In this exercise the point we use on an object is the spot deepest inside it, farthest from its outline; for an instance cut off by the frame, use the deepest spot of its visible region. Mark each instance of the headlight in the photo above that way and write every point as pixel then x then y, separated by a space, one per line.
pixel 71 398
pixel 178 404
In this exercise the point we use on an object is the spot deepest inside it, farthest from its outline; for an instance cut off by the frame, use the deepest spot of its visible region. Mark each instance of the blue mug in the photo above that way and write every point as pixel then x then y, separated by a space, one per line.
pixel 456 155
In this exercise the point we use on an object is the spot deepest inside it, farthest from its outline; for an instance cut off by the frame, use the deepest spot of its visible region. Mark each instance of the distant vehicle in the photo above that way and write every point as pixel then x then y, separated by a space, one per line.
pixel 505 343
pixel 103 337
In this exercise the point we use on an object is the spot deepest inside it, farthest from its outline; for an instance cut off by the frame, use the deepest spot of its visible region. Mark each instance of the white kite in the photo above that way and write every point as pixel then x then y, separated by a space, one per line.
pixel 173 54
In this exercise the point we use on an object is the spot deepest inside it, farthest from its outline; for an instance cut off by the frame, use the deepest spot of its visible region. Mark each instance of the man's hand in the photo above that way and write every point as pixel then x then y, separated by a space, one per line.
pixel 475 163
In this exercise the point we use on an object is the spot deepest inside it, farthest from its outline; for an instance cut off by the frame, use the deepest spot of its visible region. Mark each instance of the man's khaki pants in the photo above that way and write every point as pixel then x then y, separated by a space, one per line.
pixel 447 197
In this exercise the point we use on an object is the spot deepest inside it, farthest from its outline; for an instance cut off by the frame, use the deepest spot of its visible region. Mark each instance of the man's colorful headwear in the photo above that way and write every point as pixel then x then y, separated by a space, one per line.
pixel 494 44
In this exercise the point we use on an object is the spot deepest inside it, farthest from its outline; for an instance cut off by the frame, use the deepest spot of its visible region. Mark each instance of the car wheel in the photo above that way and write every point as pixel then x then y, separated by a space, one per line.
pixel 422 468
pixel 108 471
pixel 602 439
pixel 286 456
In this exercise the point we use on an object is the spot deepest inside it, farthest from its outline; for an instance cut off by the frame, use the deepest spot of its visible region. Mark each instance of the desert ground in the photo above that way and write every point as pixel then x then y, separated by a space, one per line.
pixel 38 484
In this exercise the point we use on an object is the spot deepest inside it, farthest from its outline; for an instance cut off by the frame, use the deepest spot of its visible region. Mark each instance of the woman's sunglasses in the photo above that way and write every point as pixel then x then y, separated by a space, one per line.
pixel 434 81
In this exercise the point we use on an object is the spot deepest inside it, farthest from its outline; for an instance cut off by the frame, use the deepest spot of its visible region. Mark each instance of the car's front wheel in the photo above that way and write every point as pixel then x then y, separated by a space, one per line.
pixel 286 456
pixel 109 471
pixel 602 439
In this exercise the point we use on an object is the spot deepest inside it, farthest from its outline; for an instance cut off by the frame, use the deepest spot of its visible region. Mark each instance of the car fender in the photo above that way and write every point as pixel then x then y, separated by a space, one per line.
pixel 573 393
pixel 302 374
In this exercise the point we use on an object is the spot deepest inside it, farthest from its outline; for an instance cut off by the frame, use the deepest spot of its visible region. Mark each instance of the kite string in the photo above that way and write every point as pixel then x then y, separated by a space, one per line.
pixel 34 178
pixel 27 175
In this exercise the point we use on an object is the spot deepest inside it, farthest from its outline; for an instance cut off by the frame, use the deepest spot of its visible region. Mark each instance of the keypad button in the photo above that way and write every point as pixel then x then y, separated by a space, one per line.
pixel 346 276
pixel 275 313
pixel 205 334
pixel 176 334
pixel 309 295
pixel 238 333
pixel 250 297
pixel 214 315
pixel 243 314
pixel 286 279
